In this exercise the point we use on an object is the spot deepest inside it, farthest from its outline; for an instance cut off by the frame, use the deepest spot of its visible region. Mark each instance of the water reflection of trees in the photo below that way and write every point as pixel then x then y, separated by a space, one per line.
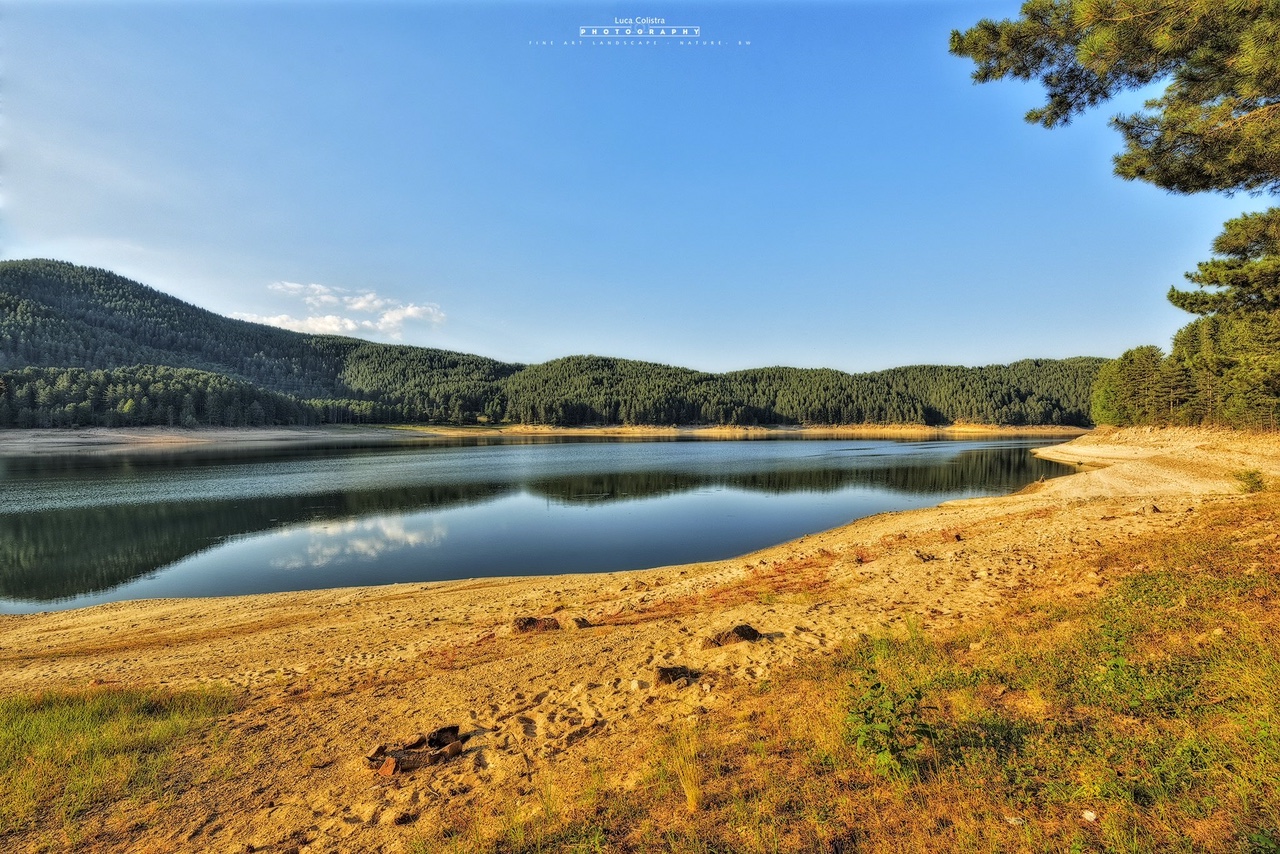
pixel 990 469
pixel 75 465
pixel 59 554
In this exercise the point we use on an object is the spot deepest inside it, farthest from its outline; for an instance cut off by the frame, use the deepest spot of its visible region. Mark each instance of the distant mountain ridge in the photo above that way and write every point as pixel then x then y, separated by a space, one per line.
pixel 84 346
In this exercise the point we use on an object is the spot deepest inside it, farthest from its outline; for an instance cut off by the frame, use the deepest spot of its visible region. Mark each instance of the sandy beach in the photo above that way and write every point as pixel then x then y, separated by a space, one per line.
pixel 170 440
pixel 328 674
pixel 848 431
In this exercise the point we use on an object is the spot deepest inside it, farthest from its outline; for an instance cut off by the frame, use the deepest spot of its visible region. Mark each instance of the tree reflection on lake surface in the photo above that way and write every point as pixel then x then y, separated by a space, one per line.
pixel 75 533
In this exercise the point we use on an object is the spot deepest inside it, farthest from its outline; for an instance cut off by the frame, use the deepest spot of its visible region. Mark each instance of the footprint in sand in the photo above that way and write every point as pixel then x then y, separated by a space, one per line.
pixel 545 723
pixel 528 726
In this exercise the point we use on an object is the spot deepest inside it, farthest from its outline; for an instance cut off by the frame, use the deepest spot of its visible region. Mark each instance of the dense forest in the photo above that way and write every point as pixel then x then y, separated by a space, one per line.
pixel 84 347
pixel 595 390
pixel 143 394
pixel 1221 371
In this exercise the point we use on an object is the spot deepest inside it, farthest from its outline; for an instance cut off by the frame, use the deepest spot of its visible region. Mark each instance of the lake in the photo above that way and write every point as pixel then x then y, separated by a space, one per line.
pixel 80 531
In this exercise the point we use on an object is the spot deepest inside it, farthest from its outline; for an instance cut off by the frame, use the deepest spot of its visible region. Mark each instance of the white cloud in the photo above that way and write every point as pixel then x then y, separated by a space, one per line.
pixel 366 302
pixel 393 319
pixel 315 296
pixel 384 315
pixel 328 324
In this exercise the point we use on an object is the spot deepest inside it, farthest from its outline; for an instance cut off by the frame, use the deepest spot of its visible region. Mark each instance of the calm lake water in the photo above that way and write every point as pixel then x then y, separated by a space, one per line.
pixel 77 532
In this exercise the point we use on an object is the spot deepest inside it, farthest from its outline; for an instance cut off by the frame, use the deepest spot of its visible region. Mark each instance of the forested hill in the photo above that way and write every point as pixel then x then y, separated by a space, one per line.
pixel 84 346
pixel 54 314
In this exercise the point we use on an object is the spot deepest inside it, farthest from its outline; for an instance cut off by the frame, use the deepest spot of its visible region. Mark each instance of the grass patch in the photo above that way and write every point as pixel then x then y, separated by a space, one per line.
pixel 684 764
pixel 1146 719
pixel 65 754
pixel 1250 480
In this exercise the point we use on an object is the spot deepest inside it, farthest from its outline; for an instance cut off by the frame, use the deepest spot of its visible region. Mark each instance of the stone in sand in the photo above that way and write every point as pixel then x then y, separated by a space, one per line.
pixel 444 736
pixel 411 760
pixel 670 675
pixel 737 634
pixel 417 752
pixel 535 624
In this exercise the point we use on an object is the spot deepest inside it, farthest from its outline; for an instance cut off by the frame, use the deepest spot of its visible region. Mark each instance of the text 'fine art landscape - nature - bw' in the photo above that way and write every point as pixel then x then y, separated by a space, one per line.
pixel 538 427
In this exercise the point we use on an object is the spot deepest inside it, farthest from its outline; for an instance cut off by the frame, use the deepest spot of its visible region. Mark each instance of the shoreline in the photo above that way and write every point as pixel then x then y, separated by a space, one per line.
pixel 96 441
pixel 325 674
pixel 835 431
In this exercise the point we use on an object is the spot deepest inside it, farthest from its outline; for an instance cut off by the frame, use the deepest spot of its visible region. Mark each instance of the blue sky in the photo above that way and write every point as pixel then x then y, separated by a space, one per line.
pixel 822 186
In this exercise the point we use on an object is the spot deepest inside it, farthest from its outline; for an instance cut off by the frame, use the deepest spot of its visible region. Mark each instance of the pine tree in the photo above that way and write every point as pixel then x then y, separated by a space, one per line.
pixel 1246 278
pixel 1217 124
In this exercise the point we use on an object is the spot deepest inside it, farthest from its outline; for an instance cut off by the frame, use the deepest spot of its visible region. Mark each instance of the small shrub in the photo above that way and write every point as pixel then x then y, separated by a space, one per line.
pixel 1263 843
pixel 890 726
pixel 1251 480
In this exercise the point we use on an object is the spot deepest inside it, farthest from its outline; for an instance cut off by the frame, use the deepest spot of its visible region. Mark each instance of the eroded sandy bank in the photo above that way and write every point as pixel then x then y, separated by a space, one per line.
pixel 102 440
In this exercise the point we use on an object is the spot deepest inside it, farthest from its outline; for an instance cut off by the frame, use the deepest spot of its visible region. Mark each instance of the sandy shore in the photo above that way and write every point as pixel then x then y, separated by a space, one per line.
pixel 102 440
pixel 848 431
pixel 327 674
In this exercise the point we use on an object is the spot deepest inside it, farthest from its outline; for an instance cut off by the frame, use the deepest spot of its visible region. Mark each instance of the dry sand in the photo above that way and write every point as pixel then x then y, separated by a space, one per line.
pixel 329 674
pixel 848 431
pixel 102 440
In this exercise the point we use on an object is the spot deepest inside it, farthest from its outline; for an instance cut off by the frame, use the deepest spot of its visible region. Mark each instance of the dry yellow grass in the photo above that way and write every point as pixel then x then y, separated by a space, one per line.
pixel 1139 720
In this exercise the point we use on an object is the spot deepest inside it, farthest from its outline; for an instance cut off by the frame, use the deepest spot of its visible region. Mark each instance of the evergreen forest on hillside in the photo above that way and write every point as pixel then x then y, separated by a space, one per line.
pixel 82 346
